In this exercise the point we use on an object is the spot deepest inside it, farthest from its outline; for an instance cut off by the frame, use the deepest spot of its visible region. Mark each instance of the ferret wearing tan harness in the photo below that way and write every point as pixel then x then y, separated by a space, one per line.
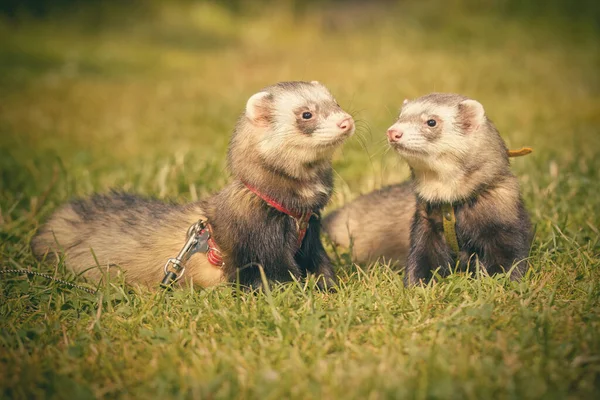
pixel 462 203
pixel 268 216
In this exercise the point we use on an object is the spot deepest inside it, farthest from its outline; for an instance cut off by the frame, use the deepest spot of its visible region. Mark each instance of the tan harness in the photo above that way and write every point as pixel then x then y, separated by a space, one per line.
pixel 449 218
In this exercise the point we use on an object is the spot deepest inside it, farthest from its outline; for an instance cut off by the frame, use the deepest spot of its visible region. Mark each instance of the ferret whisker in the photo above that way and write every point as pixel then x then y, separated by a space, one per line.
pixel 355 112
pixel 362 137
pixel 390 113
pixel 363 144
pixel 382 151
pixel 341 178
pixel 363 125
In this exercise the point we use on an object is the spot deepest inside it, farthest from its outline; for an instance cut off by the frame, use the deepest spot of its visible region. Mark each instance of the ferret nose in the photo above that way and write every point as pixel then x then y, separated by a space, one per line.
pixel 394 134
pixel 346 123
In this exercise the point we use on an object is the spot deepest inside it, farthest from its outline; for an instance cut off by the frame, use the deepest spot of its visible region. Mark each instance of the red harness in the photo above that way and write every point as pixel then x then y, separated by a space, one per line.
pixel 300 218
pixel 214 255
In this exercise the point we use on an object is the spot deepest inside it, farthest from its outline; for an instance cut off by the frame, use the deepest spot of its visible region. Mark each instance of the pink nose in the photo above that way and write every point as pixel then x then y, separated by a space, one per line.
pixel 346 123
pixel 394 134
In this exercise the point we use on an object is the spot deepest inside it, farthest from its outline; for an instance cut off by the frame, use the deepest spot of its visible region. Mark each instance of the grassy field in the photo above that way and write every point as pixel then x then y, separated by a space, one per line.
pixel 145 100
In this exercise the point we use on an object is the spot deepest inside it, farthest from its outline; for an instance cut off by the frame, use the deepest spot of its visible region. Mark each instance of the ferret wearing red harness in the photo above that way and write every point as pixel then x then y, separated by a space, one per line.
pixel 268 216
pixel 460 172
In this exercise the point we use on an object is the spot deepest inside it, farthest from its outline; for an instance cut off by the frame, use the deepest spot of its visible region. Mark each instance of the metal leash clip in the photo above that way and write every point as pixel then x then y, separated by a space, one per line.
pixel 197 242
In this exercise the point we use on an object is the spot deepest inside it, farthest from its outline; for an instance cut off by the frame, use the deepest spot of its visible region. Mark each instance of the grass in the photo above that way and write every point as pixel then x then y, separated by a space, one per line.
pixel 146 102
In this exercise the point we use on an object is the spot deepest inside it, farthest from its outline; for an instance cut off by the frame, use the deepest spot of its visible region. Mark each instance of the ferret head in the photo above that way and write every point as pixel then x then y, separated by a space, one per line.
pixel 290 126
pixel 450 145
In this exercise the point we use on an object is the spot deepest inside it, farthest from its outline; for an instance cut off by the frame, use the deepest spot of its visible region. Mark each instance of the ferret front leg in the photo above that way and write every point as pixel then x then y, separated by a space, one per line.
pixel 501 254
pixel 427 252
pixel 277 267
pixel 418 264
pixel 418 267
pixel 317 262
pixel 313 258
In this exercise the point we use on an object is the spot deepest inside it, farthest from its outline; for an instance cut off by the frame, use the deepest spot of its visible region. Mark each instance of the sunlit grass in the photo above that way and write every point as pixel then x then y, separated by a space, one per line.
pixel 146 102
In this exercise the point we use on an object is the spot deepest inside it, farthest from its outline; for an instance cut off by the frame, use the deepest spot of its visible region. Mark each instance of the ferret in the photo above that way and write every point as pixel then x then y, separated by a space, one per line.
pixel 457 158
pixel 280 157
pixel 375 225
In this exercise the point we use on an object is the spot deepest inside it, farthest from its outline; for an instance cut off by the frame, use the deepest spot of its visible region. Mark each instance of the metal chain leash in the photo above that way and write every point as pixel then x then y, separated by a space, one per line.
pixel 61 281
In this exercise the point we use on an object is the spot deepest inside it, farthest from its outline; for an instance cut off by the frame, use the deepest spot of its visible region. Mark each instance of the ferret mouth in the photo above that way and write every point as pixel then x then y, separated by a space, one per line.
pixel 399 147
pixel 338 140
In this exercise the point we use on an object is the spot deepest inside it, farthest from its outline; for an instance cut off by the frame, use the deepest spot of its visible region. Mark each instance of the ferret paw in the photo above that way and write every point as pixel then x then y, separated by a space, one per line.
pixel 327 284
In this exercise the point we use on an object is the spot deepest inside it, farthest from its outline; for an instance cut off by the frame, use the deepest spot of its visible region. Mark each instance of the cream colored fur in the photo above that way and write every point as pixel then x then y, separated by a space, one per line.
pixel 450 167
pixel 375 225
pixel 140 256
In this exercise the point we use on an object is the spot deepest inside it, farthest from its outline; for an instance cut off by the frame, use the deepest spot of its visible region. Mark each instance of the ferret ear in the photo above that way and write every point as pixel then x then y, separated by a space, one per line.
pixel 405 102
pixel 471 115
pixel 257 106
pixel 315 82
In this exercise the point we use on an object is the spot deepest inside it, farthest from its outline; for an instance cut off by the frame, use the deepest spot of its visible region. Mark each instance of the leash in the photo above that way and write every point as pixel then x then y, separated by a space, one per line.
pixel 199 239
pixel 50 277
pixel 449 218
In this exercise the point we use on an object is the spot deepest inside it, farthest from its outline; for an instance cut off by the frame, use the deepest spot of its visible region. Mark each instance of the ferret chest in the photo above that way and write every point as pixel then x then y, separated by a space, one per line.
pixel 462 229
pixel 473 225
pixel 432 216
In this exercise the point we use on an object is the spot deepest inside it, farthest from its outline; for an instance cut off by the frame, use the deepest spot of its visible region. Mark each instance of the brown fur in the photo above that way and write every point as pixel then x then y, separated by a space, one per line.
pixel 268 152
pixel 375 225
pixel 462 160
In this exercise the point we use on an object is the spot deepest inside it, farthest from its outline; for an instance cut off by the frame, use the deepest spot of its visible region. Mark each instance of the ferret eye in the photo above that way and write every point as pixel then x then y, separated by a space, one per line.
pixel 431 123
pixel 306 115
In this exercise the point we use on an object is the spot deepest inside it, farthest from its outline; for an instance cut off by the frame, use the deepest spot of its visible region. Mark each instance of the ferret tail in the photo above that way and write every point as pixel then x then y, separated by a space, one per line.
pixel 132 232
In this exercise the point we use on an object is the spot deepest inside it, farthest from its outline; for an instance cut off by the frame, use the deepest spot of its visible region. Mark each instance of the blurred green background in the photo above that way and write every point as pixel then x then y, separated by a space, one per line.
pixel 109 89
pixel 143 96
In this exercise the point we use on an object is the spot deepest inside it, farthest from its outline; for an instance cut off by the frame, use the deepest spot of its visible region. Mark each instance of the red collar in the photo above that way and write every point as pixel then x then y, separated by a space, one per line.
pixel 300 218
